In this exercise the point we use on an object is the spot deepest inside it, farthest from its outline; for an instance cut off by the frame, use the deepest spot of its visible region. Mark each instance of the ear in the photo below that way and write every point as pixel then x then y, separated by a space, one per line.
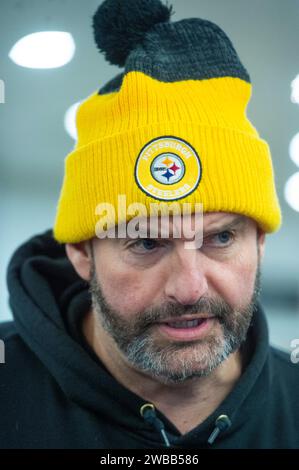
pixel 261 241
pixel 79 255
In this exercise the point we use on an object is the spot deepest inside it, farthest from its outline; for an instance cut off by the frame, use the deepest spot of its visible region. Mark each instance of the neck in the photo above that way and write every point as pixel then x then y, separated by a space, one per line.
pixel 186 404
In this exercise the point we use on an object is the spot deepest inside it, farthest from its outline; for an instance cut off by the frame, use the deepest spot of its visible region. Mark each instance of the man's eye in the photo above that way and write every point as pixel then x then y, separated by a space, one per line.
pixel 144 245
pixel 223 238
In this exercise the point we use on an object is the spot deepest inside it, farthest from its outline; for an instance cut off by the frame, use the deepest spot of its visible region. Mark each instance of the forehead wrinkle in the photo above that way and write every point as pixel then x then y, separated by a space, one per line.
pixel 228 220
pixel 238 220
pixel 235 220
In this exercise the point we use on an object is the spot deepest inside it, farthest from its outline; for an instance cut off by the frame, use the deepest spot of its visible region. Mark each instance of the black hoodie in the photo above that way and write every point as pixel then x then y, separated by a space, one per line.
pixel 56 393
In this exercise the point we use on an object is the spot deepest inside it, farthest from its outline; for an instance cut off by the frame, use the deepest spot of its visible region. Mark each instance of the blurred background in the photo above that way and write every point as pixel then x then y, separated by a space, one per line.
pixel 35 97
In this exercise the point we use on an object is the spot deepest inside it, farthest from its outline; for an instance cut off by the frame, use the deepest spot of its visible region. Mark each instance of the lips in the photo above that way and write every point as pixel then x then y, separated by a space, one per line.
pixel 186 323
pixel 186 318
pixel 187 333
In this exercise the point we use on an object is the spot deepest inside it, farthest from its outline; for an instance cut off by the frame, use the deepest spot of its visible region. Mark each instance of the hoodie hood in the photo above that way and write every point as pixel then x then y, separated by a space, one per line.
pixel 43 286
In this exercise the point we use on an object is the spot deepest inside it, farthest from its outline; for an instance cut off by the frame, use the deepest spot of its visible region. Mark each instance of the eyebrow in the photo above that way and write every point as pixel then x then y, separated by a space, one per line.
pixel 237 222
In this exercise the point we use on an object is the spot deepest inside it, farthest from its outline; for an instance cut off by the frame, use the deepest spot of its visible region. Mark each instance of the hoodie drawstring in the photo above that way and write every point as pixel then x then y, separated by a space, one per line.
pixel 148 413
pixel 222 423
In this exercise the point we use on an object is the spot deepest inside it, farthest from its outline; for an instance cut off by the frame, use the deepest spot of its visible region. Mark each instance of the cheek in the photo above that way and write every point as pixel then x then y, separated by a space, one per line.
pixel 235 281
pixel 128 291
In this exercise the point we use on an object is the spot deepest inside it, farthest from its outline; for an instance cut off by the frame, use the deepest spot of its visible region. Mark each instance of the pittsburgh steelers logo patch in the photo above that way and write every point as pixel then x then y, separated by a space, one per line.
pixel 168 168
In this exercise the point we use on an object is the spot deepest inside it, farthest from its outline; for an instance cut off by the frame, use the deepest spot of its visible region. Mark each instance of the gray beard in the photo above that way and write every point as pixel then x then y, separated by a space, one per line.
pixel 175 362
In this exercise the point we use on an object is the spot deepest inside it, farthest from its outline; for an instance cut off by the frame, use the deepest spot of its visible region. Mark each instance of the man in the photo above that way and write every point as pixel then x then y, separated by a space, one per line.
pixel 130 334
pixel 159 283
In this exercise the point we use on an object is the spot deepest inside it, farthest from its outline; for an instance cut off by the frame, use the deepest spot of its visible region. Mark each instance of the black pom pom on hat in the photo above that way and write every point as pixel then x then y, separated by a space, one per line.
pixel 120 25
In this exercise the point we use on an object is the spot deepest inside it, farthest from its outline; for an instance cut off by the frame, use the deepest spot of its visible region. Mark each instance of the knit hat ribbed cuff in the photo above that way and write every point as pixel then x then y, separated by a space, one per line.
pixel 237 176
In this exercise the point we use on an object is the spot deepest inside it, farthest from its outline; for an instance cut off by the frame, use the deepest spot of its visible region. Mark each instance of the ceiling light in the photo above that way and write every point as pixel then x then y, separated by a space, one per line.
pixel 43 50
pixel 291 191
pixel 294 149
pixel 295 90
pixel 70 120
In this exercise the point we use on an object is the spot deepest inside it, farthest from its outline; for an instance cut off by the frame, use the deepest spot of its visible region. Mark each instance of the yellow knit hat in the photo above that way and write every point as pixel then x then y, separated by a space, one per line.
pixel 171 127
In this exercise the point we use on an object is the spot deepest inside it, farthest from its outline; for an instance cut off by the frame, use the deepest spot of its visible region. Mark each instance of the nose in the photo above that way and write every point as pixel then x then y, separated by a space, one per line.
pixel 186 281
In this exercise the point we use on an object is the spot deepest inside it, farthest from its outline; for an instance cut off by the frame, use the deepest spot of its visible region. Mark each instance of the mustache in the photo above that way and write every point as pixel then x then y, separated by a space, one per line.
pixel 209 306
